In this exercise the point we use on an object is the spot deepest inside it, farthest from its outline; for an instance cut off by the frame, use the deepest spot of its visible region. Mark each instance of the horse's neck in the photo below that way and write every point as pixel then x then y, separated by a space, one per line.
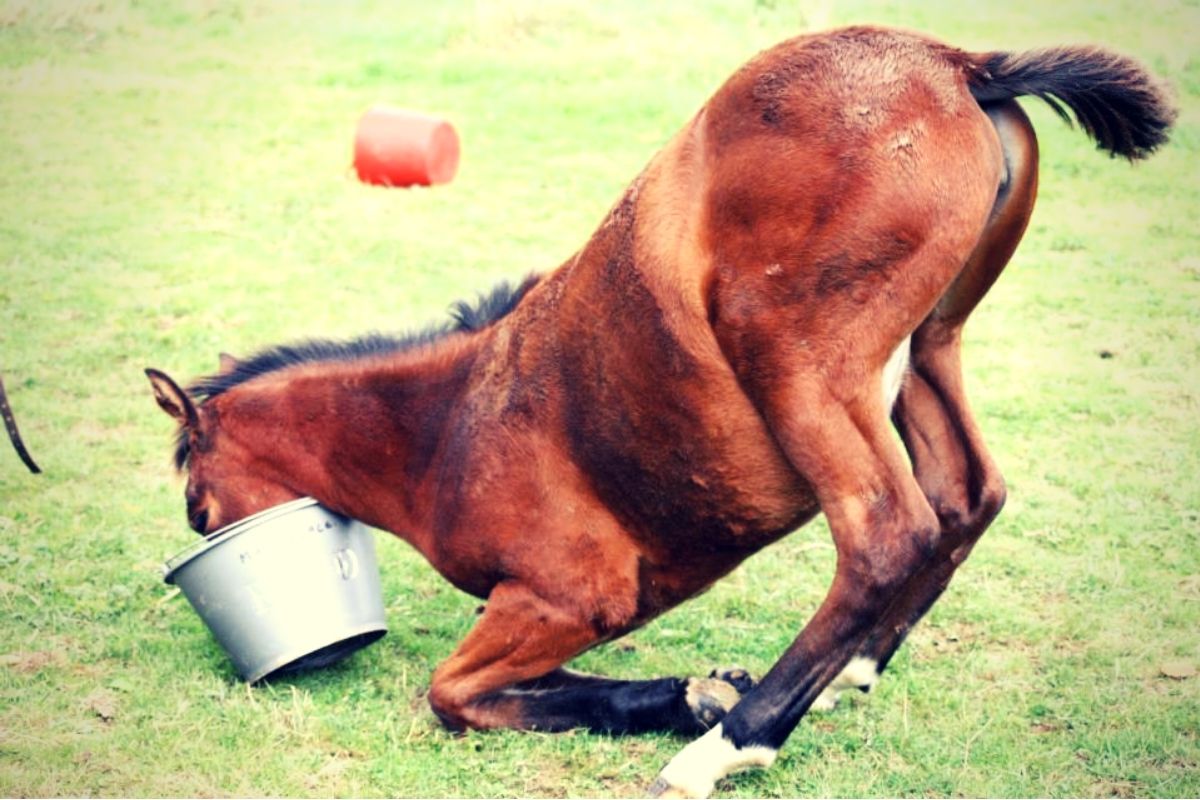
pixel 363 438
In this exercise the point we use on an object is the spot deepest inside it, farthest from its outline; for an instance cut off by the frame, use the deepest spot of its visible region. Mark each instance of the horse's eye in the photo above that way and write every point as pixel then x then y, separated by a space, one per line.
pixel 199 521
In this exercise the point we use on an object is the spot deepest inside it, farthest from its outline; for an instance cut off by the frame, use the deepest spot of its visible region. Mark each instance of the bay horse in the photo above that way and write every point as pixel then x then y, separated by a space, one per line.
pixel 717 365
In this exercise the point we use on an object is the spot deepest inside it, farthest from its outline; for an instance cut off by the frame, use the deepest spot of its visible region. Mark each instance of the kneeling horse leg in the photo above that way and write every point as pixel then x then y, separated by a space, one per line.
pixel 507 674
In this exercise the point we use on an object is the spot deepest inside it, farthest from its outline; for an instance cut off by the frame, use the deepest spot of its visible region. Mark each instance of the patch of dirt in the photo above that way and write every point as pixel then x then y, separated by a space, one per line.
pixel 928 641
pixel 1190 585
pixel 1114 789
pixel 548 779
pixel 103 704
pixel 1177 669
pixel 27 662
pixel 329 777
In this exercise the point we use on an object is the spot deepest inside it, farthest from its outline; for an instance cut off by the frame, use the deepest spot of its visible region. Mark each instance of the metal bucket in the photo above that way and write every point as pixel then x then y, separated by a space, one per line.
pixel 293 587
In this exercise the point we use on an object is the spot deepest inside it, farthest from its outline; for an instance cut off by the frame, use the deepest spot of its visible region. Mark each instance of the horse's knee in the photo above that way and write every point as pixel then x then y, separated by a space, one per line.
pixel 448 705
pixel 458 710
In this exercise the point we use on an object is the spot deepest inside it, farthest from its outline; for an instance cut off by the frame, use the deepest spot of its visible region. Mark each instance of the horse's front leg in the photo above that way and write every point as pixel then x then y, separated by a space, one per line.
pixel 506 674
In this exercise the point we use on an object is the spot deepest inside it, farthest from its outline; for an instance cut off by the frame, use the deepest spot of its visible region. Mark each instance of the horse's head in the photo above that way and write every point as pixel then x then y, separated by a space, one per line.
pixel 223 485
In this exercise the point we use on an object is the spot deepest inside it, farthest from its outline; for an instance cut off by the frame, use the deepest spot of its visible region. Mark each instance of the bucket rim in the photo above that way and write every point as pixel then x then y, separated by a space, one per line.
pixel 368 633
pixel 230 531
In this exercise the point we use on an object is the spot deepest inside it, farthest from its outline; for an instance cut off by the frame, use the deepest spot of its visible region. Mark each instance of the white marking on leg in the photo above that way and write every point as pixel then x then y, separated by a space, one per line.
pixel 860 673
pixel 826 701
pixel 894 371
pixel 697 767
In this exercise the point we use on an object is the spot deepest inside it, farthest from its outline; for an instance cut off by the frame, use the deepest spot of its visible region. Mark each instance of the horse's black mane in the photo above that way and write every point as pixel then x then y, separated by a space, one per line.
pixel 464 318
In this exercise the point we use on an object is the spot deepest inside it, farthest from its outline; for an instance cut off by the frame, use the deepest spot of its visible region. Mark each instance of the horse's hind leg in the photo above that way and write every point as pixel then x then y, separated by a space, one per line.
pixel 883 529
pixel 506 674
pixel 815 371
pixel 951 463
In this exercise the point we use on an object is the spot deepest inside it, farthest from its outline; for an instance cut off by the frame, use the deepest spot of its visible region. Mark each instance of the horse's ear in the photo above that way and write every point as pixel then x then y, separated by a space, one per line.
pixel 227 363
pixel 172 399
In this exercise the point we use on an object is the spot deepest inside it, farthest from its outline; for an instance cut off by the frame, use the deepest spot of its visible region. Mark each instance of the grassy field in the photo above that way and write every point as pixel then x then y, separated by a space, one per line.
pixel 174 181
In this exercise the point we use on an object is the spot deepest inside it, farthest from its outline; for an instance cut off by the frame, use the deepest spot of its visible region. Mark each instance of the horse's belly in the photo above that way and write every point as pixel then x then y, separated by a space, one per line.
pixel 689 463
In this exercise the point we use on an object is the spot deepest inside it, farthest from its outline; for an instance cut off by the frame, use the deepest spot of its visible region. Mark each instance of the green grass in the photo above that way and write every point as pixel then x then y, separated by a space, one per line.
pixel 174 181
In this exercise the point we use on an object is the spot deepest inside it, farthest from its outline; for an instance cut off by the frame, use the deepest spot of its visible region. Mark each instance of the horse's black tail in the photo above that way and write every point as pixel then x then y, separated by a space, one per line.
pixel 1120 105
pixel 11 425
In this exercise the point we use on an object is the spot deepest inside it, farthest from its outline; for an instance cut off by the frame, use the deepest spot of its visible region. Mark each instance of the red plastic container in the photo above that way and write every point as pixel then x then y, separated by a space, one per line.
pixel 396 147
